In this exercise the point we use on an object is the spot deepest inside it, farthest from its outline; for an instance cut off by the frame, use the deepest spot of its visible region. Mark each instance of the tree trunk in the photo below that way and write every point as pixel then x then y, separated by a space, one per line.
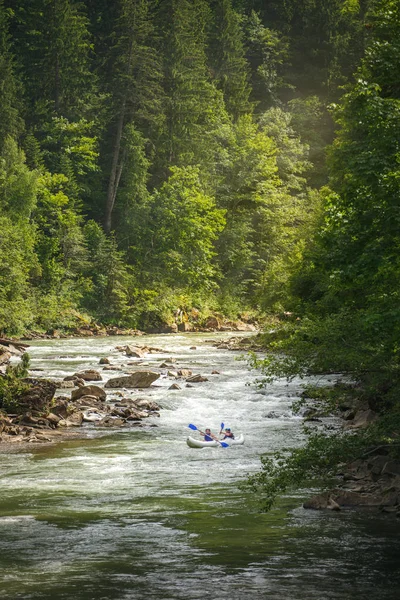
pixel 116 171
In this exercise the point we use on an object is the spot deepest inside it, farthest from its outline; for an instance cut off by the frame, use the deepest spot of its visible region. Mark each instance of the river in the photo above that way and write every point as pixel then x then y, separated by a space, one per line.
pixel 137 514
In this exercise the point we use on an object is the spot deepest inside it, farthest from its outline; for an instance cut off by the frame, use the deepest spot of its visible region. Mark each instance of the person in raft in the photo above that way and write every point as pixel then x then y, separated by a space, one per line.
pixel 228 434
pixel 208 436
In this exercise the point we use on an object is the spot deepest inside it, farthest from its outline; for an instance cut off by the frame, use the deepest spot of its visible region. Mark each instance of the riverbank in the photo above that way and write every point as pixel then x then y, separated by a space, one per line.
pixel 371 481
pixel 183 324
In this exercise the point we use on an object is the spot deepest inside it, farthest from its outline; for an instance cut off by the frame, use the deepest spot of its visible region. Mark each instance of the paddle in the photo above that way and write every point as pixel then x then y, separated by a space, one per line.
pixel 222 426
pixel 223 444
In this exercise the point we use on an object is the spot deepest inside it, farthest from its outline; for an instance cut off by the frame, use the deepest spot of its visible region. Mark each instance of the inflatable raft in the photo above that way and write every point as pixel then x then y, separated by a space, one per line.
pixel 193 443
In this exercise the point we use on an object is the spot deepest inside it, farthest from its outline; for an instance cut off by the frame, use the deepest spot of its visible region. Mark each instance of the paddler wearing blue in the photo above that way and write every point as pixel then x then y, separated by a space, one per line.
pixel 228 434
pixel 208 436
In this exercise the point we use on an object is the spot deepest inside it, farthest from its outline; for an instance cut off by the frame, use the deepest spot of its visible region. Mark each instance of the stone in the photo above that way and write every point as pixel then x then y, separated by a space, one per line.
pixel 213 323
pixel 139 379
pixel 65 385
pixel 52 418
pixel 362 419
pixel 392 467
pixel 174 386
pixel 60 409
pixel 196 379
pixel 318 502
pixel 185 326
pixel 111 368
pixel 39 395
pixel 88 402
pixel 193 347
pixel 147 404
pixel 215 373
pixel 135 351
pixel 88 390
pixel 79 382
pixel 5 355
pixel 172 374
pixel 75 419
pixel 184 373
pixel 104 361
pixel 377 463
pixel 89 375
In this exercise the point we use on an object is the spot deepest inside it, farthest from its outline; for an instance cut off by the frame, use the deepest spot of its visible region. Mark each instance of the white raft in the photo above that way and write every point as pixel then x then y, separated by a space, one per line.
pixel 193 443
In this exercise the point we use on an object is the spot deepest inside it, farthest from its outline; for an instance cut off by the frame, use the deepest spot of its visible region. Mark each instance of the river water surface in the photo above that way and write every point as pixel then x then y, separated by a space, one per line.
pixel 136 513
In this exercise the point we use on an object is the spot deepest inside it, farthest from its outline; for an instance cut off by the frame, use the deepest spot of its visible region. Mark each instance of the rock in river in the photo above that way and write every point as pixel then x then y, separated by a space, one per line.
pixel 140 379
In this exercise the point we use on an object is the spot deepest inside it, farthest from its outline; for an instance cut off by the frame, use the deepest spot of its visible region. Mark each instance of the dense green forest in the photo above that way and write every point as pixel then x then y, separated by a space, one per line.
pixel 238 156
pixel 157 155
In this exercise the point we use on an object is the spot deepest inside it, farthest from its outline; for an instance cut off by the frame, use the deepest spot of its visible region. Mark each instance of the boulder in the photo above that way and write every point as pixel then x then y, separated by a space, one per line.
pixel 104 361
pixel 88 390
pixel 5 355
pixel 60 409
pixel 174 386
pixel 185 326
pixel 53 419
pixel 139 379
pixel 184 373
pixel 39 395
pixel 362 419
pixel 135 351
pixel 213 323
pixel 88 402
pixel 65 385
pixel 196 379
pixel 89 375
pixel 392 467
pixel 147 405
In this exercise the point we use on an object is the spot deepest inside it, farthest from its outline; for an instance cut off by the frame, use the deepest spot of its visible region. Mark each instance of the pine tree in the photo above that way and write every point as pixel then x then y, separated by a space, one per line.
pixel 53 44
pixel 195 113
pixel 11 123
pixel 227 57
pixel 136 90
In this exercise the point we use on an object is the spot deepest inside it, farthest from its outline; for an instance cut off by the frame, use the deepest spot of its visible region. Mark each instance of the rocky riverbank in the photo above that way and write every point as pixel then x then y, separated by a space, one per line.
pixel 370 482
pixel 183 323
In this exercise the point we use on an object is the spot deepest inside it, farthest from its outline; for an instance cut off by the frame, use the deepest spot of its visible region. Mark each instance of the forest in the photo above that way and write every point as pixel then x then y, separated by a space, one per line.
pixel 230 156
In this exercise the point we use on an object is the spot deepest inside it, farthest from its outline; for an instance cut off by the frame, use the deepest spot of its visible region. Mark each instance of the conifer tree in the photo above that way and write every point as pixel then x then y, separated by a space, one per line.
pixel 136 91
pixel 54 45
pixel 11 123
pixel 195 114
pixel 227 56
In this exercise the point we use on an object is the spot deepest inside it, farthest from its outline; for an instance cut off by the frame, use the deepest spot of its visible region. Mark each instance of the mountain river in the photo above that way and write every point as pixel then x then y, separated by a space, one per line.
pixel 136 514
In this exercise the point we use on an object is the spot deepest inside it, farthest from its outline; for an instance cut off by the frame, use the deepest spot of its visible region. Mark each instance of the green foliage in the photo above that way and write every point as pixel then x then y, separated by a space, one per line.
pixel 18 185
pixel 18 263
pixel 11 123
pixel 176 234
pixel 227 55
pixel 109 281
pixel 12 385
pixel 267 52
